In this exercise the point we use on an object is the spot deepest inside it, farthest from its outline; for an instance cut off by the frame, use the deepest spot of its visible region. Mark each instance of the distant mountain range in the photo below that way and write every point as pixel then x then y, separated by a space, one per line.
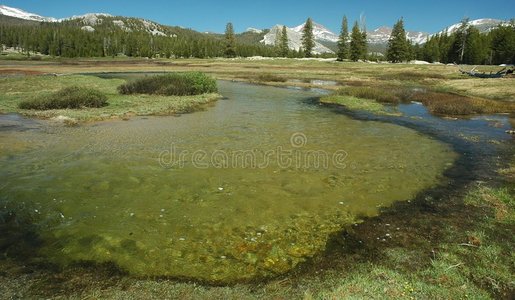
pixel 325 39
pixel 21 14
pixel 321 34
pixel 88 22
pixel 379 37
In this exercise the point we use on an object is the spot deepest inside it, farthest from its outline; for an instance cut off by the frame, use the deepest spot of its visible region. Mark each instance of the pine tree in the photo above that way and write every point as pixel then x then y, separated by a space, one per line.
pixel 364 44
pixel 230 41
pixel 308 39
pixel 343 46
pixel 431 50
pixel 284 48
pixel 357 44
pixel 503 44
pixel 398 46
pixel 278 38
pixel 461 38
pixel 476 48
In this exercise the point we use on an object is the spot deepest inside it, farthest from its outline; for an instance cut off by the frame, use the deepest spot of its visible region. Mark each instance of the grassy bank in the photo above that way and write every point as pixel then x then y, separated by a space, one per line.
pixel 435 99
pixel 347 73
pixel 385 83
pixel 18 90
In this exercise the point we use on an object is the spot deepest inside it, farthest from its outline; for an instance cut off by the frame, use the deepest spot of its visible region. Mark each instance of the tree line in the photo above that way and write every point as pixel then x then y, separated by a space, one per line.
pixel 468 46
pixel 69 39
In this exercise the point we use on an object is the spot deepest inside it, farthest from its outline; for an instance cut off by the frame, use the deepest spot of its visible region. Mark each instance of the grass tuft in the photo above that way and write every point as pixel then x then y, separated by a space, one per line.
pixel 382 95
pixel 178 84
pixel 73 97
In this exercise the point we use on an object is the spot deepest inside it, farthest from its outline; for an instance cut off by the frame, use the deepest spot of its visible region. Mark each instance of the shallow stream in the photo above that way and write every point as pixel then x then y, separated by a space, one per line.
pixel 246 189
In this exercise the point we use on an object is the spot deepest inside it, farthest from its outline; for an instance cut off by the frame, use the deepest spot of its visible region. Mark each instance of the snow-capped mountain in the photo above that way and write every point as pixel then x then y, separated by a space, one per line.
pixel 319 31
pixel 21 14
pixel 379 36
pixel 254 30
pixel 483 25
pixel 382 34
pixel 294 39
pixel 323 36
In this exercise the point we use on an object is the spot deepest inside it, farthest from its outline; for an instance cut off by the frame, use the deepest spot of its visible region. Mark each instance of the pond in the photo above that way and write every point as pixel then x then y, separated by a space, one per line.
pixel 246 189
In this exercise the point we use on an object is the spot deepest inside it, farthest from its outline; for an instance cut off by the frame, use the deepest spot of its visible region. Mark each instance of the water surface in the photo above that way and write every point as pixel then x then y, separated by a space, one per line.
pixel 120 192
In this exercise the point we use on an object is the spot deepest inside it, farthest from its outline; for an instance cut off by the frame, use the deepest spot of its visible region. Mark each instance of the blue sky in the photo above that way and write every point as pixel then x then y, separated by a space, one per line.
pixel 204 15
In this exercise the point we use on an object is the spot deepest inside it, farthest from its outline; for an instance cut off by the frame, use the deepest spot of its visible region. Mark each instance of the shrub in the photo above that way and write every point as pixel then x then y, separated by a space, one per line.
pixel 71 97
pixel 178 84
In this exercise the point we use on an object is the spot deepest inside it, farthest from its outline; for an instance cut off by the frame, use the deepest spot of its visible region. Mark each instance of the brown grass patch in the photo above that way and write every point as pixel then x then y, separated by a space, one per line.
pixel 270 78
pixel 411 76
pixel 452 104
pixel 20 72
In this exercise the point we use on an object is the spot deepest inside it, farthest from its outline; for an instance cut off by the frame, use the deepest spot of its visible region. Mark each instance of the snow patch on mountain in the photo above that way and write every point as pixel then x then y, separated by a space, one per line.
pixel 21 14
pixel 254 30
pixel 382 34
pixel 294 39
pixel 483 25
pixel 319 31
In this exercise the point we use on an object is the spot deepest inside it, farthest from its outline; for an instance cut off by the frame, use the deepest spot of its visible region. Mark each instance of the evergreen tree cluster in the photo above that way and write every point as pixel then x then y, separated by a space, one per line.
pixel 134 39
pixel 468 46
pixel 140 38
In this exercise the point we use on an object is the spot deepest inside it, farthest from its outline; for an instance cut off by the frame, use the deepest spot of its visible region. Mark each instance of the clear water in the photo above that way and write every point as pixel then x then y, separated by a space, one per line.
pixel 113 192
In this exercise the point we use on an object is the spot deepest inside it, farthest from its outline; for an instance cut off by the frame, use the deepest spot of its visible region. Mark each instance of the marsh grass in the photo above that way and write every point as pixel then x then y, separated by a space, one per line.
pixel 411 76
pixel 178 84
pixel 498 200
pixel 19 89
pixel 73 97
pixel 453 104
pixel 383 94
pixel 267 77
pixel 354 103
pixel 439 101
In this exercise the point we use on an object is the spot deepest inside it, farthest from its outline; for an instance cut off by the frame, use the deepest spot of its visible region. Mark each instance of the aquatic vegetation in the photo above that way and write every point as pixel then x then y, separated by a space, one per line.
pixel 174 84
pixel 353 103
pixel 73 97
pixel 382 94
